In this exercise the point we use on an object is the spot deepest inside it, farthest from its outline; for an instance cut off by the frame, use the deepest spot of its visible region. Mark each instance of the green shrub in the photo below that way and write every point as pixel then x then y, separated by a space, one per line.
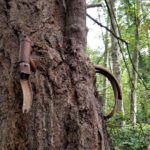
pixel 130 137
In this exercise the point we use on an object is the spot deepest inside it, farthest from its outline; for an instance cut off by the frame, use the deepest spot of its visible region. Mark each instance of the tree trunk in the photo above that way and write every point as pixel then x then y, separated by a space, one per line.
pixel 115 54
pixel 134 85
pixel 148 41
pixel 136 64
pixel 134 75
pixel 105 82
pixel 65 114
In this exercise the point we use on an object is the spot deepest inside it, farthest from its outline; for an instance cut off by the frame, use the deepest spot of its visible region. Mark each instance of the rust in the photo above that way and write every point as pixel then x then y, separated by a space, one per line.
pixel 25 49
pixel 26 65
pixel 33 65
pixel 116 87
pixel 24 55
pixel 25 68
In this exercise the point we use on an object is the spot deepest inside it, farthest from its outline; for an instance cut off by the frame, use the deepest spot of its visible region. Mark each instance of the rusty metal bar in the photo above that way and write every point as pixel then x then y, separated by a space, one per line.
pixel 116 87
pixel 25 49
pixel 24 55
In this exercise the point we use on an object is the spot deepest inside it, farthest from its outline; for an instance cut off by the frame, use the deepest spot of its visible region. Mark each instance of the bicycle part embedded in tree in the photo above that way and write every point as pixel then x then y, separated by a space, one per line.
pixel 26 65
pixel 115 85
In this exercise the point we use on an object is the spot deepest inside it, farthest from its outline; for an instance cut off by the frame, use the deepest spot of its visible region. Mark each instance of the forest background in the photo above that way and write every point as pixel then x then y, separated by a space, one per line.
pixel 119 39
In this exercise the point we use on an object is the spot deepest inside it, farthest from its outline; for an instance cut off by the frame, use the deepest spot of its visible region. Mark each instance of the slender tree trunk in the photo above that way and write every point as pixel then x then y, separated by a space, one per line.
pixel 134 85
pixel 147 33
pixel 148 39
pixel 105 82
pixel 136 62
pixel 116 53
pixel 134 76
pixel 65 110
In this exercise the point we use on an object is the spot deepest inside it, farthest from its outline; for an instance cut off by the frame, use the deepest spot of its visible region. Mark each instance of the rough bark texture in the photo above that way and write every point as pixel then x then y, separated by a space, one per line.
pixel 65 113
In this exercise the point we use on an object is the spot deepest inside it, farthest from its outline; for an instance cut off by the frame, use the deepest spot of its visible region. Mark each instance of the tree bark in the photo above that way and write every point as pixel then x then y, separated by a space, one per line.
pixel 65 113
pixel 115 53
pixel 105 82
pixel 134 81
pixel 134 74
pixel 148 41
pixel 136 63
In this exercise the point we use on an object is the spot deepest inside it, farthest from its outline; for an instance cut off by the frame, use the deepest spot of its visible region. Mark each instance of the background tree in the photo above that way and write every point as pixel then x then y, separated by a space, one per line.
pixel 115 51
pixel 106 57
pixel 135 60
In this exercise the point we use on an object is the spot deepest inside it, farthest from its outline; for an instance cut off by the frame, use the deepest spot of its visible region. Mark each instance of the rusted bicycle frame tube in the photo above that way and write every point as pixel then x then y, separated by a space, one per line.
pixel 25 49
pixel 26 63
pixel 25 66
pixel 24 55
pixel 116 87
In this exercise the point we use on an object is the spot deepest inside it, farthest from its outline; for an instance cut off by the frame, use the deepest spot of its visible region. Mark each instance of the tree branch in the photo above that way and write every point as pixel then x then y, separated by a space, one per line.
pixel 126 43
pixel 124 59
pixel 122 40
pixel 94 5
pixel 98 23
pixel 121 50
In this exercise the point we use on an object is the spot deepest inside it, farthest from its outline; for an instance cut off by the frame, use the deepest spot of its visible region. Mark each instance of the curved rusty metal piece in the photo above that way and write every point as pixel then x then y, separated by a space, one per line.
pixel 27 95
pixel 115 85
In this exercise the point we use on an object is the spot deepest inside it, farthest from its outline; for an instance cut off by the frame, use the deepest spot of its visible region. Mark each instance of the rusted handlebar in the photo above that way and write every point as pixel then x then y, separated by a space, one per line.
pixel 116 87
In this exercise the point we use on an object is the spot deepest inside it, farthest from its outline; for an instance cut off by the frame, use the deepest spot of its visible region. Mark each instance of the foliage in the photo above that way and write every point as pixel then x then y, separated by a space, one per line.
pixel 130 137
pixel 94 55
